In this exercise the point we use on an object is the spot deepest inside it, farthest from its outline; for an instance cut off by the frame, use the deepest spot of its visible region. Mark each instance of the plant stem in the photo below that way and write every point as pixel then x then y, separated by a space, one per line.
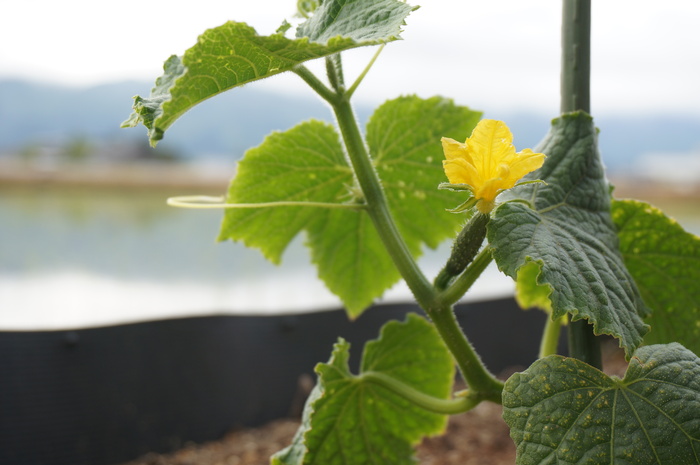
pixel 334 70
pixel 483 385
pixel 550 336
pixel 320 88
pixel 377 205
pixel 459 404
pixel 575 95
pixel 362 75
pixel 480 381
pixel 576 56
pixel 584 345
pixel 464 282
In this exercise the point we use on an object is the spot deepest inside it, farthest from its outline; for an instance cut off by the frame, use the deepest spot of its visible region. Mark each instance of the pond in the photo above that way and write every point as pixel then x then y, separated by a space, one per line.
pixel 79 257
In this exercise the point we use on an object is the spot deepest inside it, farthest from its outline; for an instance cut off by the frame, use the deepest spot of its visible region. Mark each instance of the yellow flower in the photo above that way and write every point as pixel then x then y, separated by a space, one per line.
pixel 487 163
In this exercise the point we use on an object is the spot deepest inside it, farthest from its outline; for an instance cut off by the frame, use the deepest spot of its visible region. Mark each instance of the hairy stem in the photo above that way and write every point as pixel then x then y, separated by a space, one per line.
pixel 481 382
pixel 377 205
pixel 464 281
pixel 459 404
pixel 483 385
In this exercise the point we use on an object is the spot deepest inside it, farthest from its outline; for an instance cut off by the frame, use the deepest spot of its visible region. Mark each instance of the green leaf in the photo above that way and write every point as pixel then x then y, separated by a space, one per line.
pixel 307 163
pixel 563 411
pixel 403 136
pixel 348 420
pixel 361 20
pixel 303 164
pixel 665 262
pixel 233 54
pixel 528 293
pixel 570 234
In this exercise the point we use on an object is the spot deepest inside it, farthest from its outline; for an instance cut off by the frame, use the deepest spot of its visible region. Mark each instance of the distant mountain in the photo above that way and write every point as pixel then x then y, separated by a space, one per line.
pixel 223 126
pixel 231 123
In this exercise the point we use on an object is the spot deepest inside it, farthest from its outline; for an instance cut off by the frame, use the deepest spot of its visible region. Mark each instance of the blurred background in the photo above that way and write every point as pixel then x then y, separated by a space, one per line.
pixel 86 238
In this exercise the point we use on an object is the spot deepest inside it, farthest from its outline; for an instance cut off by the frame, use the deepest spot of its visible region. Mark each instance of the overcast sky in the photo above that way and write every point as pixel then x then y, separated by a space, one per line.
pixel 494 56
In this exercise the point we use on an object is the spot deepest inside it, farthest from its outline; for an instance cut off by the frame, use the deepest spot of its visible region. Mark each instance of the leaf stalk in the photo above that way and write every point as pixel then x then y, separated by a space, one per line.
pixel 460 404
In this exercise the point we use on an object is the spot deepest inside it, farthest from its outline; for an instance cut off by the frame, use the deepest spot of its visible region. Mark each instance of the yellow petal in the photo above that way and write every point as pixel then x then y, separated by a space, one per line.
pixel 460 171
pixel 488 162
pixel 453 149
pixel 526 162
pixel 490 144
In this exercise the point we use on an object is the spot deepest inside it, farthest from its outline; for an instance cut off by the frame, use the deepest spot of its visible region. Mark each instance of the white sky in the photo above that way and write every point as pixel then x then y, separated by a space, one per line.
pixel 500 55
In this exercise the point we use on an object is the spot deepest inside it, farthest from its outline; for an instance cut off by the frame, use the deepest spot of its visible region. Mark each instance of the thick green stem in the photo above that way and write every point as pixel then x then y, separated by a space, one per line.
pixel 320 88
pixel 584 345
pixel 575 95
pixel 576 56
pixel 480 381
pixel 482 384
pixel 377 205
pixel 459 404
pixel 550 336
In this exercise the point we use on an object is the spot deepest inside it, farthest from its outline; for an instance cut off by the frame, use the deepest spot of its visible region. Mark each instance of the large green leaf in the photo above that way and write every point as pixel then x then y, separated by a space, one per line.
pixel 664 260
pixel 303 164
pixel 563 411
pixel 361 20
pixel 569 232
pixel 233 54
pixel 307 163
pixel 350 421
pixel 403 136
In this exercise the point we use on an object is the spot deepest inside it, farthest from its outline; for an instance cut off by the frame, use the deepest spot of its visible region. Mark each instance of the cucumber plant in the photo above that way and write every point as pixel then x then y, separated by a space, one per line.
pixel 369 204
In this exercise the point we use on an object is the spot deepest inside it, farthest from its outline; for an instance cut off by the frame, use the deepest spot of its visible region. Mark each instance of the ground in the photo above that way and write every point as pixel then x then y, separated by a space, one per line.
pixel 478 437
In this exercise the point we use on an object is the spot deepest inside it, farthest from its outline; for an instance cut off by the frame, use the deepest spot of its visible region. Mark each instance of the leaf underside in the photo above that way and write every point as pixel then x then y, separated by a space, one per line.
pixel 307 163
pixel 563 411
pixel 368 423
pixel 664 260
pixel 233 54
pixel 569 233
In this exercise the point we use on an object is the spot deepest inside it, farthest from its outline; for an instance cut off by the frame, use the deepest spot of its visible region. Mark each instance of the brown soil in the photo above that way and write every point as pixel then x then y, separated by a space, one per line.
pixel 478 437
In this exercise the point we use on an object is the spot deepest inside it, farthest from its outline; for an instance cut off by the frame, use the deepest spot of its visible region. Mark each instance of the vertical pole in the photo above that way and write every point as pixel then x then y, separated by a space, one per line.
pixel 576 95
pixel 576 56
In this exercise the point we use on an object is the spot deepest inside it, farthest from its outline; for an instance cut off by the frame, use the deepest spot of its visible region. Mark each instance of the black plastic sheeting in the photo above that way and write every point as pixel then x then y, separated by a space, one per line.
pixel 102 396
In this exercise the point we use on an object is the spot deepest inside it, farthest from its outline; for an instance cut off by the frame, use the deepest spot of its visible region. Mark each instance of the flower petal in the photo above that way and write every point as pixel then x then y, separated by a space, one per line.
pixel 490 144
pixel 527 161
pixel 453 149
pixel 460 171
pixel 488 162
